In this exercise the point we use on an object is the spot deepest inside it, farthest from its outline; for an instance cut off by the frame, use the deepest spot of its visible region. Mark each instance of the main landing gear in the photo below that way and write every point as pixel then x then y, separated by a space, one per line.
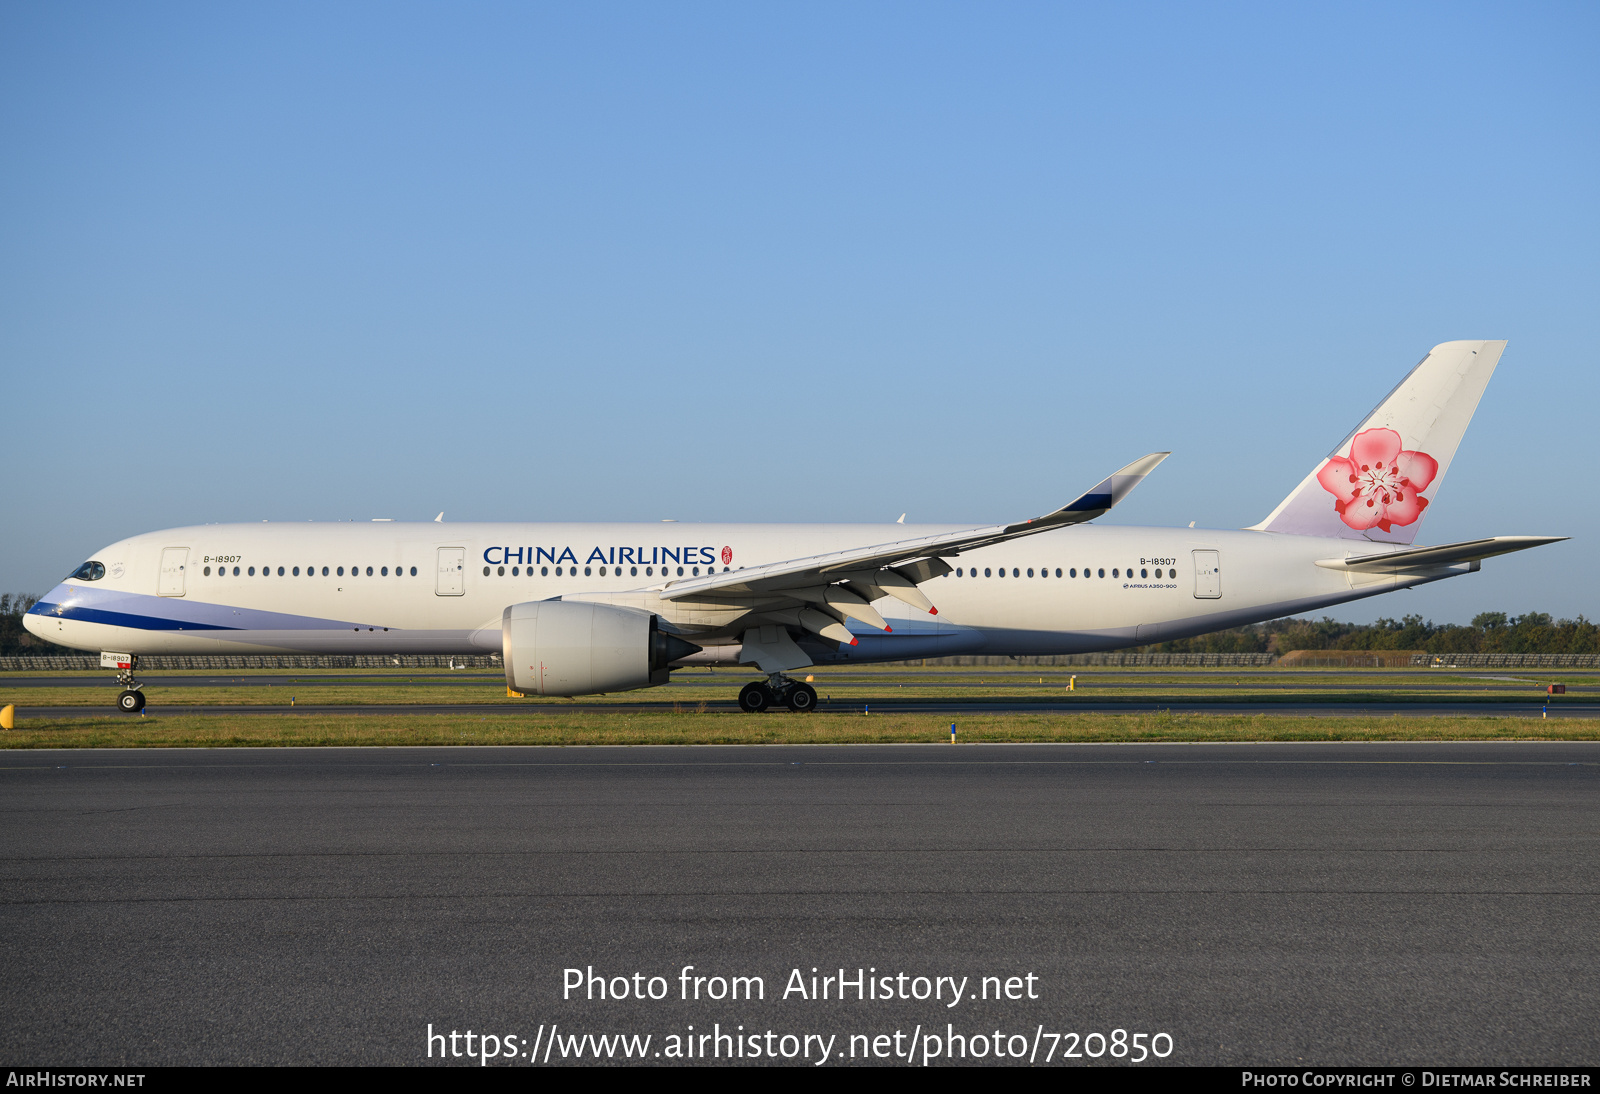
pixel 778 688
pixel 131 701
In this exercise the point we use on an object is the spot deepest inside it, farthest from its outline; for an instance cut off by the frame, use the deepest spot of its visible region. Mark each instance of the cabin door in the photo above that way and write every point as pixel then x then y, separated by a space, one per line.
pixel 173 561
pixel 452 571
pixel 1207 575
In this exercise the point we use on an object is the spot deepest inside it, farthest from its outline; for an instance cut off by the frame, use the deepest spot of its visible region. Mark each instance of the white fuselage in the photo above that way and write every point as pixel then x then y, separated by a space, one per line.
pixel 442 588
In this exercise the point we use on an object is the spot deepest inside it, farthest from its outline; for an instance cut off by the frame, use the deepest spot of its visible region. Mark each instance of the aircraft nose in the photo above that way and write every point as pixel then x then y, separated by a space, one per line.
pixel 35 621
pixel 38 618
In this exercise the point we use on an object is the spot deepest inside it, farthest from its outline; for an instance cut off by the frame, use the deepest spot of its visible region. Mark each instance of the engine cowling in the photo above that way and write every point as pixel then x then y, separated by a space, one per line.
pixel 561 647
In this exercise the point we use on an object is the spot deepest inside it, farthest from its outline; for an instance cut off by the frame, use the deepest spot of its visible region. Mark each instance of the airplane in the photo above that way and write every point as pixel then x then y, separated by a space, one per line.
pixel 576 609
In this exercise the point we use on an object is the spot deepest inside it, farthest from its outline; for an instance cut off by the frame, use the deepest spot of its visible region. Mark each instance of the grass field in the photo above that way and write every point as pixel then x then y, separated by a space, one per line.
pixel 693 708
pixel 553 728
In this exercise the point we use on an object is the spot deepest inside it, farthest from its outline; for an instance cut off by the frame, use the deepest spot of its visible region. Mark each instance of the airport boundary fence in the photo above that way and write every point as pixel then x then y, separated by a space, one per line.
pixel 1508 660
pixel 1295 659
pixel 156 662
pixel 1108 659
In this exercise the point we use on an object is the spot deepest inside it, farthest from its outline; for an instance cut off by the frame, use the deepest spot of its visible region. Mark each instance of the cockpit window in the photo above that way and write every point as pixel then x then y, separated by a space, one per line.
pixel 90 571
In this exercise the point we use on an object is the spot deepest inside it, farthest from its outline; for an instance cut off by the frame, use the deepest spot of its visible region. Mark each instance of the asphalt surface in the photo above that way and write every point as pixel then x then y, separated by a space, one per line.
pixel 1287 904
pixel 1489 709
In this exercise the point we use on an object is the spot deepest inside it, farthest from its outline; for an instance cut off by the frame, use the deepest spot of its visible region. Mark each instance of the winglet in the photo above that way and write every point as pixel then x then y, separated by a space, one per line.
pixel 1100 498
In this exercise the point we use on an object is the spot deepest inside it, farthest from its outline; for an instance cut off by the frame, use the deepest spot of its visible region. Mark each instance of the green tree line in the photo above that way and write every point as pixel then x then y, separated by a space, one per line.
pixel 1491 632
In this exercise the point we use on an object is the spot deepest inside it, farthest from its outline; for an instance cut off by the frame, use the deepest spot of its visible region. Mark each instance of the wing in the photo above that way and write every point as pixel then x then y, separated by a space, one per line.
pixel 894 569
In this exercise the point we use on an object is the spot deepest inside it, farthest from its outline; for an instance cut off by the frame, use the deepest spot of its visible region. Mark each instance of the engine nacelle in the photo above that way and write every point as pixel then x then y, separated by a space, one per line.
pixel 562 647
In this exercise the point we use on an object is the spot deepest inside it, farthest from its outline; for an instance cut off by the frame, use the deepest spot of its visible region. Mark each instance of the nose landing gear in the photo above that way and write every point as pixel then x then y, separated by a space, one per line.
pixel 131 701
pixel 761 696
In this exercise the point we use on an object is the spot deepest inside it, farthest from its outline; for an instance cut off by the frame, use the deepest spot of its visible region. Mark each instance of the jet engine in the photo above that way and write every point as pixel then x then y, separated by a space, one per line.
pixel 558 647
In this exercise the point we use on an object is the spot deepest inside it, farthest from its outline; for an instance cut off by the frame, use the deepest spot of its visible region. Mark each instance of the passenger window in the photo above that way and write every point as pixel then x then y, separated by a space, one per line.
pixel 1144 573
pixel 1058 572
pixel 588 572
pixel 1102 571
pixel 340 571
pixel 515 571
pixel 602 571
pixel 986 571
pixel 297 571
pixel 486 571
pixel 207 571
pixel 1072 572
pixel 1114 572
pixel 1030 571
pixel 280 571
pixel 236 571
pixel 680 571
pixel 633 571
pixel 252 571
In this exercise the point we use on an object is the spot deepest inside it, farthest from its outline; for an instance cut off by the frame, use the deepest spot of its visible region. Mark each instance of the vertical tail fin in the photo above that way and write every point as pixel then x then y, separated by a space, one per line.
pixel 1377 483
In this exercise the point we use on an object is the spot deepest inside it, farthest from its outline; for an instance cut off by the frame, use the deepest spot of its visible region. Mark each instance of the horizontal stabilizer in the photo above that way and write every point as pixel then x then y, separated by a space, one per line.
pixel 1471 550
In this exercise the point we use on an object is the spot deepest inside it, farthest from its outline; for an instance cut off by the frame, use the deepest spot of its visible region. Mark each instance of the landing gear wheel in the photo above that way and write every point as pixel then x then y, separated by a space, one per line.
pixel 131 701
pixel 754 698
pixel 802 699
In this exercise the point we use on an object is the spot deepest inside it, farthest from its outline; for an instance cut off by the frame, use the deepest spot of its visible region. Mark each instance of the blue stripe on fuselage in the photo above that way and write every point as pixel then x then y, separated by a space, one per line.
pixel 141 611
pixel 122 619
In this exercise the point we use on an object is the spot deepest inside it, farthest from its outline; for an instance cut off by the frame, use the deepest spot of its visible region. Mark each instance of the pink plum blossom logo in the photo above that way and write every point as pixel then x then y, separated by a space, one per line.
pixel 1379 485
pixel 727 556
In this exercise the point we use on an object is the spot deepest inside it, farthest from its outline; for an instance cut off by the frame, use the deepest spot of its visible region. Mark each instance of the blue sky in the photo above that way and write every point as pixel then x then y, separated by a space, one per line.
pixel 803 262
